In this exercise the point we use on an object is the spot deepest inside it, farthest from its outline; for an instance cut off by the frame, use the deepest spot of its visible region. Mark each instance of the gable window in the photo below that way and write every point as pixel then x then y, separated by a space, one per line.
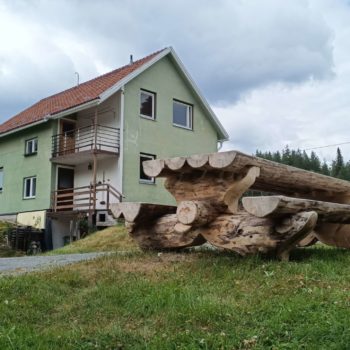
pixel 1 178
pixel 147 104
pixel 29 187
pixel 182 114
pixel 143 177
pixel 31 146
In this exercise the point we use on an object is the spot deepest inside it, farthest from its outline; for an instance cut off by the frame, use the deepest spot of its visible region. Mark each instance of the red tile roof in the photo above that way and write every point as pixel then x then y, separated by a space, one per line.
pixel 72 97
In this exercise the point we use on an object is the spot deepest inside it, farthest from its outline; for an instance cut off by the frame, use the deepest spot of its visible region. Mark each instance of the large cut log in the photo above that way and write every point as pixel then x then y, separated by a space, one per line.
pixel 336 235
pixel 221 192
pixel 248 234
pixel 274 177
pixel 161 234
pixel 273 206
pixel 196 213
pixel 240 232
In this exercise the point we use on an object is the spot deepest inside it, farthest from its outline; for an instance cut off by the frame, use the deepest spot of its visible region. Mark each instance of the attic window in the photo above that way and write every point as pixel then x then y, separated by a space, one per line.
pixel 31 146
pixel 147 104
pixel 182 114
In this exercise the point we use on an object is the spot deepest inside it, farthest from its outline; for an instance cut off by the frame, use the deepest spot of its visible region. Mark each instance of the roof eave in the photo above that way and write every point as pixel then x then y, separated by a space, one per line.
pixel 58 115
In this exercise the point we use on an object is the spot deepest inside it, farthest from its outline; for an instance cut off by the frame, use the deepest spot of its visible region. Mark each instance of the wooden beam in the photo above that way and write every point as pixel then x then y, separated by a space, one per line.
pixel 196 212
pixel 274 177
pixel 136 212
pixel 270 206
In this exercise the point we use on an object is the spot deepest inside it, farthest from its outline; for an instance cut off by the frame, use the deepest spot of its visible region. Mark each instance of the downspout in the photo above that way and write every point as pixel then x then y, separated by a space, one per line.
pixel 220 144
pixel 121 140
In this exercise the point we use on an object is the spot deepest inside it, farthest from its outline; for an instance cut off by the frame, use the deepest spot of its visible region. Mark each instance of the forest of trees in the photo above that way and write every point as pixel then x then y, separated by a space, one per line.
pixel 300 159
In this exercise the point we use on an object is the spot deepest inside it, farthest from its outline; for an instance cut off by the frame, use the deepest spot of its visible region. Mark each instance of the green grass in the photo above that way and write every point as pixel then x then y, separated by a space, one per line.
pixel 110 239
pixel 201 300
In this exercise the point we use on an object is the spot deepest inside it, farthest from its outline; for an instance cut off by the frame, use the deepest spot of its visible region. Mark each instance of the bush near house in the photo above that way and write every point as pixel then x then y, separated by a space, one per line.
pixel 5 250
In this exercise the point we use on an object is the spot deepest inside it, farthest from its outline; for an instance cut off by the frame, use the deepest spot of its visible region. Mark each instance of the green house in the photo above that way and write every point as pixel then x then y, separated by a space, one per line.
pixel 71 155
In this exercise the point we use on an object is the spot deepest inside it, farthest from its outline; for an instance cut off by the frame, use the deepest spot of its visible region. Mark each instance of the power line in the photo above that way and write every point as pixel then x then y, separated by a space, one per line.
pixel 333 145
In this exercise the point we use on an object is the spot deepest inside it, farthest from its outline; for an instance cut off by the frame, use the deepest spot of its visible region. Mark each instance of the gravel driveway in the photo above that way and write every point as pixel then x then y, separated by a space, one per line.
pixel 31 263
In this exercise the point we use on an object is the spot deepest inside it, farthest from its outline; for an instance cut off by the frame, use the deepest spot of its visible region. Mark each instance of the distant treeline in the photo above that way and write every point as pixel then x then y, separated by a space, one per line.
pixel 300 159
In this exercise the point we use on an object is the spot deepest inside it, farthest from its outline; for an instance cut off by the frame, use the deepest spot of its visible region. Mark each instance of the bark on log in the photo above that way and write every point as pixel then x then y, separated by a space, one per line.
pixel 181 228
pixel 248 234
pixel 309 240
pixel 270 206
pixel 240 232
pixel 295 229
pixel 335 235
pixel 222 192
pixel 161 234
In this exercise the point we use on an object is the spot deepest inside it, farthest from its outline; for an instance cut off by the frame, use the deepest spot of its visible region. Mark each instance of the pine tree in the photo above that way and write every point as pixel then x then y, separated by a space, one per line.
pixel 337 164
pixel 325 169
pixel 315 164
pixel 286 156
pixel 277 157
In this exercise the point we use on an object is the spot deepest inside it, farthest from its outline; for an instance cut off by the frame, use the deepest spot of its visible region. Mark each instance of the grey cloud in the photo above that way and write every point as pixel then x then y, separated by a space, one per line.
pixel 230 47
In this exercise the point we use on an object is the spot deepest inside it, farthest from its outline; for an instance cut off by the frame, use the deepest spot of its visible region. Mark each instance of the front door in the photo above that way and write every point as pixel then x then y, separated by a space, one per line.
pixel 65 185
pixel 67 139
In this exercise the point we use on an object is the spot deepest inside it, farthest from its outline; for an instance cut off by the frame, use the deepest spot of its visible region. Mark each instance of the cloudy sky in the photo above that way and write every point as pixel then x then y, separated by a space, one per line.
pixel 275 72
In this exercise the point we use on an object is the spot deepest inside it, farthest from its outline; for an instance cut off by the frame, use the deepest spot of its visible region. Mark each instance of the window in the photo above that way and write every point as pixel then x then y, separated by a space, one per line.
pixel 143 177
pixel 1 178
pixel 31 146
pixel 182 114
pixel 147 104
pixel 29 187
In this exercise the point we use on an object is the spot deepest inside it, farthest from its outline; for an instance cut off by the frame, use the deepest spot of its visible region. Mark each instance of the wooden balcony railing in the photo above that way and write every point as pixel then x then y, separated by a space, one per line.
pixel 88 138
pixel 85 198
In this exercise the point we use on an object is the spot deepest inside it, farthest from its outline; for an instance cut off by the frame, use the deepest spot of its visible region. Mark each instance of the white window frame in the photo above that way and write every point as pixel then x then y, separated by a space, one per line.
pixel 189 115
pixel 153 95
pixel 31 146
pixel 1 179
pixel 29 180
pixel 152 180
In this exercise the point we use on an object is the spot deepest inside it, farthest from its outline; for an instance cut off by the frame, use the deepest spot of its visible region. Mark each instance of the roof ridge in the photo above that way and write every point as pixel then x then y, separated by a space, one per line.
pixel 100 76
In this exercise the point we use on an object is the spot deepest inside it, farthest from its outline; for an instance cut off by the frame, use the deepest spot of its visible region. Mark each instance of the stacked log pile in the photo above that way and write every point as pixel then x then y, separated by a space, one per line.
pixel 208 189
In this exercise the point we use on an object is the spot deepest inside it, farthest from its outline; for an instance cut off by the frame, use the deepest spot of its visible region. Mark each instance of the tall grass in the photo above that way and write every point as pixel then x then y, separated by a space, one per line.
pixel 202 300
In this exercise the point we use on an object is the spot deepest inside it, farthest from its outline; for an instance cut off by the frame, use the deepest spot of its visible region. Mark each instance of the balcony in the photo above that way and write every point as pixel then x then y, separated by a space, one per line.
pixel 85 198
pixel 77 146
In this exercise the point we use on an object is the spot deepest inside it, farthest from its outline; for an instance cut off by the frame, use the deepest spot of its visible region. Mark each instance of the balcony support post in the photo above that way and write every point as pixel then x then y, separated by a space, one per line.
pixel 95 129
pixel 94 157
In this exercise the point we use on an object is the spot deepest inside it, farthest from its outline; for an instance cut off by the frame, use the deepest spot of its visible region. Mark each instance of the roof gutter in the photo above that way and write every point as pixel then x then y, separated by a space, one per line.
pixel 54 116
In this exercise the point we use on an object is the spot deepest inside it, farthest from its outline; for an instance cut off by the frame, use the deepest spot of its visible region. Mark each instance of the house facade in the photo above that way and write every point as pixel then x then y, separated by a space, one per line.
pixel 75 153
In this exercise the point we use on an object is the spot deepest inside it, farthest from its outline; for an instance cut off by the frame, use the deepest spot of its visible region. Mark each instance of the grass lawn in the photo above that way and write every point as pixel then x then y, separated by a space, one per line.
pixel 200 300
pixel 110 239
